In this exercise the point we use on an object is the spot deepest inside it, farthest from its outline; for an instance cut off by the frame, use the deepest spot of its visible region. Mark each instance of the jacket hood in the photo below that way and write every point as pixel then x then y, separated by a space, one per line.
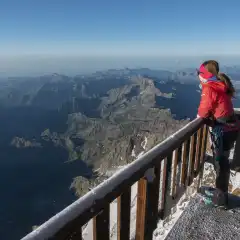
pixel 218 86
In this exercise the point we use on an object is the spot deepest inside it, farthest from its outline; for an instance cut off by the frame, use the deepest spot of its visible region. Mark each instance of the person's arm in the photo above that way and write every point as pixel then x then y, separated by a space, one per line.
pixel 207 103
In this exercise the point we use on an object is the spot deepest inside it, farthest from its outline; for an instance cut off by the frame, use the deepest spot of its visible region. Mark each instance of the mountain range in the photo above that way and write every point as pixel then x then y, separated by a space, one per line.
pixel 60 135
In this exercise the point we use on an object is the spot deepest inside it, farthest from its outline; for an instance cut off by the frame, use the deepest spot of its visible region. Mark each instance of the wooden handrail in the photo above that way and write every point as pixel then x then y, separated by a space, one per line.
pixel 67 224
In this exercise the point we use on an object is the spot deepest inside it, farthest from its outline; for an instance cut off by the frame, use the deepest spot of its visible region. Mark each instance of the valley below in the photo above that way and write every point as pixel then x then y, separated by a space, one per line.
pixel 60 135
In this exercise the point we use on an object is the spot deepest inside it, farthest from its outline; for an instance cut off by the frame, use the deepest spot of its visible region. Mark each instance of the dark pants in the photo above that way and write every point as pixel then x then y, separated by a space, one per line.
pixel 222 144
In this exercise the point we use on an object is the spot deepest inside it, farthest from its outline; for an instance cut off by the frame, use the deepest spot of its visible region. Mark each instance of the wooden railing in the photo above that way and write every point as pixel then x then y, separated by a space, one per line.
pixel 177 160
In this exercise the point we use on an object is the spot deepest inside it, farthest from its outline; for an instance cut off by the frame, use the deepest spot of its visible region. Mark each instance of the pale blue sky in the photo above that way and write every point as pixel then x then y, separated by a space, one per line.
pixel 123 28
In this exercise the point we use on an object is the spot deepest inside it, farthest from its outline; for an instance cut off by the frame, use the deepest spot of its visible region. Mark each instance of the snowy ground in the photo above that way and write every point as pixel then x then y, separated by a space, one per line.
pixel 164 226
pixel 208 179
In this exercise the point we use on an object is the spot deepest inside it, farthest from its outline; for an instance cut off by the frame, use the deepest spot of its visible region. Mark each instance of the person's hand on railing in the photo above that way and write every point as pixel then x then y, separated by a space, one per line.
pixel 208 121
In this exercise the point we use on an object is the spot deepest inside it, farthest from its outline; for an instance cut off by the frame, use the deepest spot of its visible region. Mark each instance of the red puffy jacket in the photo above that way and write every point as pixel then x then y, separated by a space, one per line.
pixel 215 102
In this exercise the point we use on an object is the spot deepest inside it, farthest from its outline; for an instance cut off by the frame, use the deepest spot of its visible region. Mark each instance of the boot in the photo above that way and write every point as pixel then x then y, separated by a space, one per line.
pixel 216 198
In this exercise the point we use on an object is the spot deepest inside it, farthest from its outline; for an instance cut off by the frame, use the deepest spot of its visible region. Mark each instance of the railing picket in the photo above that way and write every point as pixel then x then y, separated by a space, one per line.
pixel 152 202
pixel 101 224
pixel 141 209
pixel 191 159
pixel 175 163
pixel 184 164
pixel 124 206
pixel 163 187
pixel 166 184
pixel 202 156
pixel 204 143
pixel 206 139
pixel 198 152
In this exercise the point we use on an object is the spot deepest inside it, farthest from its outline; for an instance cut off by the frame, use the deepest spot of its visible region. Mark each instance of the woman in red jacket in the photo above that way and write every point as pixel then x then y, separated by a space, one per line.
pixel 216 105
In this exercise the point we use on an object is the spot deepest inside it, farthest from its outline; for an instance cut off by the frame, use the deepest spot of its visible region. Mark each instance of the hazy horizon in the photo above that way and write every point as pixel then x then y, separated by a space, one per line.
pixel 73 65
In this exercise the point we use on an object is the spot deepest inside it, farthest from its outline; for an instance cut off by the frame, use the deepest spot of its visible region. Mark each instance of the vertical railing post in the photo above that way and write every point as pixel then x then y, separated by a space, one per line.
pixel 198 152
pixel 174 174
pixel 185 162
pixel 204 144
pixel 202 156
pixel 153 188
pixel 101 224
pixel 192 153
pixel 166 184
pixel 141 209
pixel 163 188
pixel 124 207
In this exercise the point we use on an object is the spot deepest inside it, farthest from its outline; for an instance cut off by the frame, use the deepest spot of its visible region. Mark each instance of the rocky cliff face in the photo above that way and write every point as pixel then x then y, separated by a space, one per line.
pixel 130 124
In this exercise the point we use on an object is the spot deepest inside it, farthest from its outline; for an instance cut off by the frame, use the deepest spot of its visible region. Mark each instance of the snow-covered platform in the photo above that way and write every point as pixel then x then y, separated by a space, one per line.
pixel 202 222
